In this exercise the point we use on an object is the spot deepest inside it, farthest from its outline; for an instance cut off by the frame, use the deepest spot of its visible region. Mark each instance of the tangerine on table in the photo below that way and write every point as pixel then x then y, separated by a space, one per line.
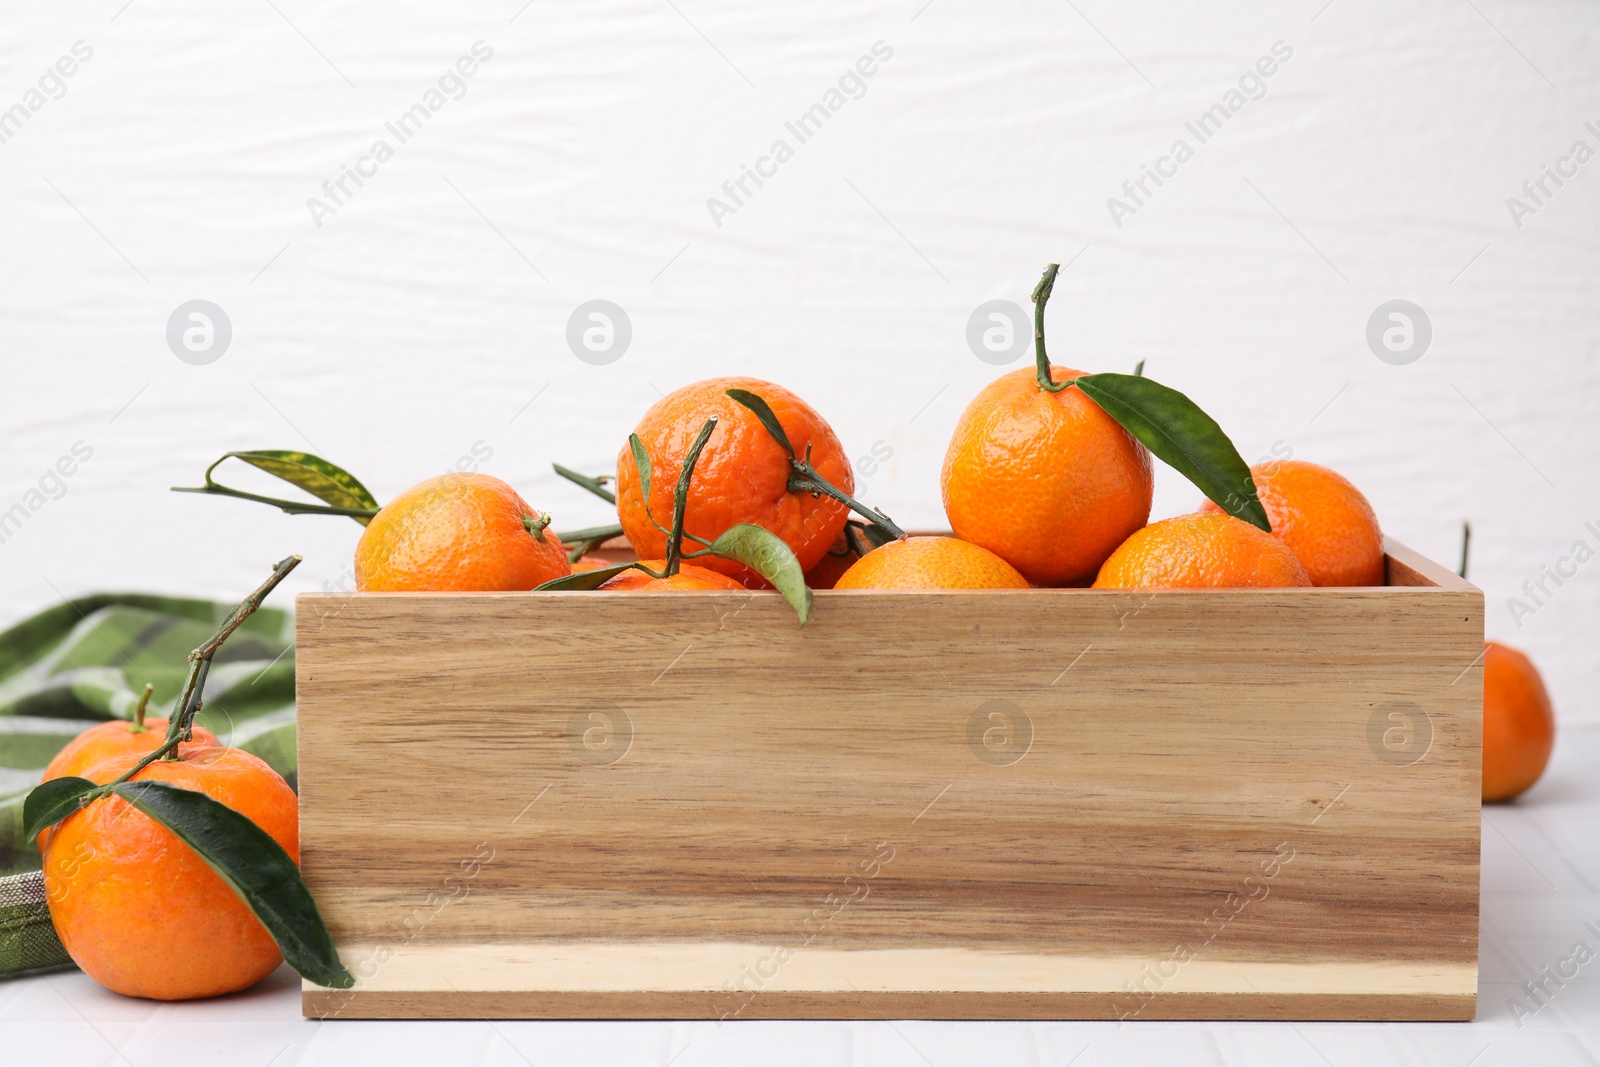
pixel 931 563
pixel 690 578
pixel 1201 551
pixel 138 909
pixel 742 474
pixel 463 532
pixel 1519 727
pixel 1323 518
pixel 1047 481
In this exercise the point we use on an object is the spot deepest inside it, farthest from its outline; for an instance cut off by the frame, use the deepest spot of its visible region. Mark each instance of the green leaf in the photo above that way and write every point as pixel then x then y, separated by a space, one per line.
pixel 641 460
pixel 1175 429
pixel 763 411
pixel 255 867
pixel 334 485
pixel 580 580
pixel 52 801
pixel 328 482
pixel 594 485
pixel 765 553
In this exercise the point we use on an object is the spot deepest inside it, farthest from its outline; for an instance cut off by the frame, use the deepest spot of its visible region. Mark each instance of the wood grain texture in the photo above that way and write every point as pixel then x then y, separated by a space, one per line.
pixel 1009 804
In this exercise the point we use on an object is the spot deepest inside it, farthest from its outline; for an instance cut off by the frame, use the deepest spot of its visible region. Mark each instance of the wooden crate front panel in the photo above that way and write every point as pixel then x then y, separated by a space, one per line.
pixel 1180 803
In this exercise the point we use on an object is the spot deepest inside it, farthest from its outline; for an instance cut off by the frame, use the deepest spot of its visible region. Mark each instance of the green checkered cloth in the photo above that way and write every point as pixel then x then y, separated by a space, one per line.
pixel 88 660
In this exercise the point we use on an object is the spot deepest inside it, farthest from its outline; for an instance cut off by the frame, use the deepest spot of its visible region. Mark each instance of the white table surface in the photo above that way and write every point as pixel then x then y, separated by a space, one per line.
pixel 1541 866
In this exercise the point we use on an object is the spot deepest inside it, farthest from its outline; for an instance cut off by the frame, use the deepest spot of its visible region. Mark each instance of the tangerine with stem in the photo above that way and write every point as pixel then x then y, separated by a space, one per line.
pixel 461 532
pixel 744 474
pixel 1041 475
pixel 139 910
pixel 135 905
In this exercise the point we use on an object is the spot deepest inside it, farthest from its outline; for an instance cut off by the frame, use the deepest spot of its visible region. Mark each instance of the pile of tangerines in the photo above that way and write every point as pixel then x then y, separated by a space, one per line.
pixel 1041 489
pixel 739 484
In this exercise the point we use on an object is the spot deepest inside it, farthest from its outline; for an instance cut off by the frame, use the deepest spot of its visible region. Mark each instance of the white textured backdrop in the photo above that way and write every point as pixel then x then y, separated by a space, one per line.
pixel 425 317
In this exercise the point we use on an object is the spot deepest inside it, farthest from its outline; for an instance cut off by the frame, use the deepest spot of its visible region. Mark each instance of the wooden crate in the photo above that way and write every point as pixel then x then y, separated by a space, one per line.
pixel 1240 804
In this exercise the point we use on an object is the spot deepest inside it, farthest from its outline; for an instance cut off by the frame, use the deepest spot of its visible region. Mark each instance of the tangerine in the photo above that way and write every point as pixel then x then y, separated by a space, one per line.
pixel 1519 727
pixel 931 563
pixel 138 909
pixel 689 578
pixel 1323 518
pixel 1201 551
pixel 1047 481
pixel 742 474
pixel 459 532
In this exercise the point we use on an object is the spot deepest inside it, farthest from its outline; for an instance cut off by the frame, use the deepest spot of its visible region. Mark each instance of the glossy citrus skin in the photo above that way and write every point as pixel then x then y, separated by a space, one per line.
pixel 456 533
pixel 741 476
pixel 1047 481
pixel 689 579
pixel 1201 551
pixel 1323 518
pixel 116 738
pixel 1519 727
pixel 589 563
pixel 931 563
pixel 138 910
